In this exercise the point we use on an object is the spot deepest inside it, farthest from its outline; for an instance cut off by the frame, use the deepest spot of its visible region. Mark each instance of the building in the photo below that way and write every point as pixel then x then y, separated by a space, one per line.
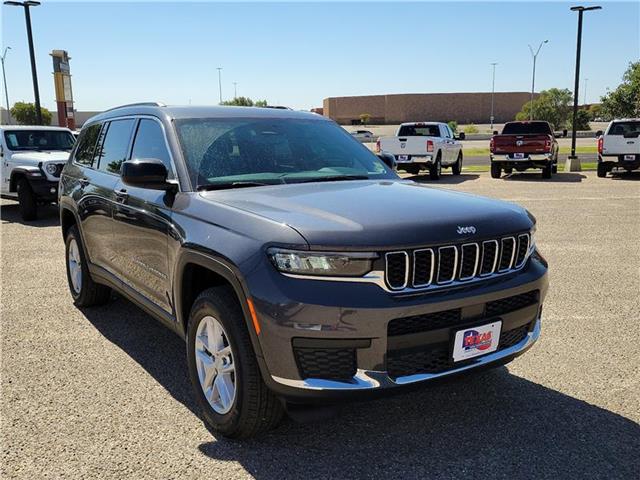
pixel 464 108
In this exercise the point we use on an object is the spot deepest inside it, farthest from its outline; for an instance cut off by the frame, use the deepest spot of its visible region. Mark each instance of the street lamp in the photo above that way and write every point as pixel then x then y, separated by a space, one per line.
pixel 493 91
pixel 533 79
pixel 573 163
pixel 4 78
pixel 27 17
pixel 584 102
pixel 220 82
pixel 235 89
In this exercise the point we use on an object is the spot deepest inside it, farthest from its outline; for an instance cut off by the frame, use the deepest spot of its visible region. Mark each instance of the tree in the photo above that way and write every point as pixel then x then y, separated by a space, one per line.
pixel 25 114
pixel 582 119
pixel 453 125
pixel 595 111
pixel 624 101
pixel 245 102
pixel 365 118
pixel 553 105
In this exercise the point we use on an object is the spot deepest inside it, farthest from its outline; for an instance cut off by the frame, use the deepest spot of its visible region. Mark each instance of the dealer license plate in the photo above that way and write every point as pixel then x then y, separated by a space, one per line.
pixel 630 158
pixel 518 155
pixel 475 341
pixel 403 158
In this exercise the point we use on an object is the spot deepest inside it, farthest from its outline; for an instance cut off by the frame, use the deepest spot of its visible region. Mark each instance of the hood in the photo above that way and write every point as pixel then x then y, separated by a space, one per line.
pixel 37 157
pixel 388 214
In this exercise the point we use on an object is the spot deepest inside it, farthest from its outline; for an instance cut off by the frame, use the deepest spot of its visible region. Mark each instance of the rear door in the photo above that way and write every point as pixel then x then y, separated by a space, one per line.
pixel 142 221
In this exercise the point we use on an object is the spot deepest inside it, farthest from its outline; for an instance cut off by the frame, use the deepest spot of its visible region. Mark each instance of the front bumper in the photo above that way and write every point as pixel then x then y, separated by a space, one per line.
pixel 359 316
pixel 44 189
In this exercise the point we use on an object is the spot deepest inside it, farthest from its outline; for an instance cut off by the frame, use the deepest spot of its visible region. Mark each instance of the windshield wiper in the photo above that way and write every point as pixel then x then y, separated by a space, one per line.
pixel 332 178
pixel 226 186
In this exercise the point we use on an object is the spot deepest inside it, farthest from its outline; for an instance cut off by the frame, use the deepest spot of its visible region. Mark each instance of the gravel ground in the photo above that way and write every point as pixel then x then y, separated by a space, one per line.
pixel 103 393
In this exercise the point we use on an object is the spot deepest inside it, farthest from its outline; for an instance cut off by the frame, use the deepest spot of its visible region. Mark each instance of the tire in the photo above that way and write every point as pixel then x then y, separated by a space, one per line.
pixel 251 408
pixel 85 292
pixel 456 168
pixel 554 168
pixel 496 171
pixel 27 201
pixel 546 171
pixel 435 170
pixel 602 170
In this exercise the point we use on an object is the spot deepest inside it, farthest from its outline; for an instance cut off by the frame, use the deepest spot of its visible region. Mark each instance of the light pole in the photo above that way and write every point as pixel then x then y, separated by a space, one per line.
pixel 533 77
pixel 573 162
pixel 235 89
pixel 493 91
pixel 34 75
pixel 220 82
pixel 4 78
pixel 584 102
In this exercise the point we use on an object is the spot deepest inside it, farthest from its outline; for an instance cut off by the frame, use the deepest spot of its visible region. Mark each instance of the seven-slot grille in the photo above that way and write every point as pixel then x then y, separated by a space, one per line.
pixel 442 265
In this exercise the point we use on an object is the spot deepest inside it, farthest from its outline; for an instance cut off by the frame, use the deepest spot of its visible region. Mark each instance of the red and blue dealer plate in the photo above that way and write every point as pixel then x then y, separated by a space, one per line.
pixel 475 341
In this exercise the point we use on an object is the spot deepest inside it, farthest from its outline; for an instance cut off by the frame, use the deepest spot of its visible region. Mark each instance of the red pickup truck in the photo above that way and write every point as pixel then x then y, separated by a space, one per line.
pixel 524 145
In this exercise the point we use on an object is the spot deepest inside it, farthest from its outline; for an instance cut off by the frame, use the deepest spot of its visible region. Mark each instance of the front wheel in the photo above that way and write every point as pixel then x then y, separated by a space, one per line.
pixel 27 201
pixel 496 171
pixel 456 169
pixel 435 169
pixel 224 371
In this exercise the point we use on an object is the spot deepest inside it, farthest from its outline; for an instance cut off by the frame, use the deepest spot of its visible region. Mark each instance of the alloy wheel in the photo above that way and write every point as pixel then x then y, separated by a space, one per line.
pixel 75 266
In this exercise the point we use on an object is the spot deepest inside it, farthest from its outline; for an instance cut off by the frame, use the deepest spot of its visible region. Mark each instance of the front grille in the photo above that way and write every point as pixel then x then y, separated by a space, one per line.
pixel 511 304
pixel 424 323
pixel 443 265
pixel 513 337
pixel 331 363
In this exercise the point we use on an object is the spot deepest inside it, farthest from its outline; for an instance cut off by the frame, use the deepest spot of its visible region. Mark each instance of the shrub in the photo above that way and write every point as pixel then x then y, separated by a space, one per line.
pixel 469 129
pixel 453 125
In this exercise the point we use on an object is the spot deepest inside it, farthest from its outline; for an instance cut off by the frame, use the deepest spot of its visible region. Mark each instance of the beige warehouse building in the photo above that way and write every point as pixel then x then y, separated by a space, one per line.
pixel 409 107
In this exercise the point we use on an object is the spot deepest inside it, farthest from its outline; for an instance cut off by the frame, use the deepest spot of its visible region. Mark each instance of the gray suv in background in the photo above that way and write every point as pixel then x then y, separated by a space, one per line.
pixel 298 267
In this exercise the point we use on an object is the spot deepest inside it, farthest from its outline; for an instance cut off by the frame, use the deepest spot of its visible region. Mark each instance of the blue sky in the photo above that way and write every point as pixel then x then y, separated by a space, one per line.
pixel 298 53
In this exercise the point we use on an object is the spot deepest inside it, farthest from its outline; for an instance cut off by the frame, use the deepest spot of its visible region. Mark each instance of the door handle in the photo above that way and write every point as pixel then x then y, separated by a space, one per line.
pixel 122 195
pixel 84 182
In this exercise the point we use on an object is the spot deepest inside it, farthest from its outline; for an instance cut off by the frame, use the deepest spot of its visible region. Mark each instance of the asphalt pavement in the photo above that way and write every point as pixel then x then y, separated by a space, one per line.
pixel 103 392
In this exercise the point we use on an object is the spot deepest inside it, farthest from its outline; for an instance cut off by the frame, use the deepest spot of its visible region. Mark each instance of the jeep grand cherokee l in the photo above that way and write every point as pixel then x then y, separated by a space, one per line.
pixel 297 266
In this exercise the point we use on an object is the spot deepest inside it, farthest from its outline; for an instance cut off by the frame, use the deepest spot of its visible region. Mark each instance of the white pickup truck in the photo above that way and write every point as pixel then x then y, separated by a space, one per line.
pixel 32 159
pixel 430 145
pixel 619 146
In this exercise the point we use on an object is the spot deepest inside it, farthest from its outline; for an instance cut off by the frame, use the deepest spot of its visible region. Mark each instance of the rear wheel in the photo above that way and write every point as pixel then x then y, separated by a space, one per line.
pixel 602 170
pixel 546 171
pixel 27 200
pixel 224 371
pixel 435 169
pixel 84 290
pixel 456 169
pixel 496 171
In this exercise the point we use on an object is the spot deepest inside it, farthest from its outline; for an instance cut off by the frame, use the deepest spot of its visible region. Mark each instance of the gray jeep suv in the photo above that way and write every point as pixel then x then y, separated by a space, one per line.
pixel 298 267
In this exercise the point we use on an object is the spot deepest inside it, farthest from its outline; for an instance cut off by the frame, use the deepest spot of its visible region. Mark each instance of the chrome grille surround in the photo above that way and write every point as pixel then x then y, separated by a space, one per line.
pixel 476 260
pixel 495 257
pixel 406 270
pixel 432 270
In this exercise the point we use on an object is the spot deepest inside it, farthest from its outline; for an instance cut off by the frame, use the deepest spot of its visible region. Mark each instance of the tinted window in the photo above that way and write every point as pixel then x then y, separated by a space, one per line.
pixel 527 128
pixel 445 131
pixel 419 131
pixel 39 140
pixel 86 145
pixel 115 145
pixel 275 150
pixel 150 143
pixel 627 129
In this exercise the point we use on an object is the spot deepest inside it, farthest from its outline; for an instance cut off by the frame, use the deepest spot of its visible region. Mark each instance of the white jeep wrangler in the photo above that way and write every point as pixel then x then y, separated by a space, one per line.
pixel 32 159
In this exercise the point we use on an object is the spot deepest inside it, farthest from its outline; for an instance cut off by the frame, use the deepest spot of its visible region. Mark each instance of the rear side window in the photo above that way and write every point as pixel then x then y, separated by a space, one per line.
pixel 150 143
pixel 115 146
pixel 527 128
pixel 86 145
pixel 626 129
pixel 419 131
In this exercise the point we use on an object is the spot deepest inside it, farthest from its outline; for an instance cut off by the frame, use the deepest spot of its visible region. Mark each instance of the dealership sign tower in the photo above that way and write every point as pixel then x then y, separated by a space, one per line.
pixel 64 94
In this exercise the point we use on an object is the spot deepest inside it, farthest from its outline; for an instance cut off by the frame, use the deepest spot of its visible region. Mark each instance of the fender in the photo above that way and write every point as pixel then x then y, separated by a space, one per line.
pixel 26 171
pixel 223 267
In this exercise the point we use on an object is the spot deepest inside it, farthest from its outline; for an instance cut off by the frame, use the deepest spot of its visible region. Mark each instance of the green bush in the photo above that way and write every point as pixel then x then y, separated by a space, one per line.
pixel 453 125
pixel 470 129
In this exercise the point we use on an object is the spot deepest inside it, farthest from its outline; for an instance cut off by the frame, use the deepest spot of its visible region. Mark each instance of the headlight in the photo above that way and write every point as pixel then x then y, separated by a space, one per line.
pixel 51 168
pixel 321 263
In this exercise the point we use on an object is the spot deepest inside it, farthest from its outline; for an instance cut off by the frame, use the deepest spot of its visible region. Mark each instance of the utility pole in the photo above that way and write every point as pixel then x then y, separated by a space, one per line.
pixel 584 102
pixel 493 91
pixel 34 75
pixel 4 78
pixel 235 89
pixel 220 82
pixel 573 162
pixel 533 77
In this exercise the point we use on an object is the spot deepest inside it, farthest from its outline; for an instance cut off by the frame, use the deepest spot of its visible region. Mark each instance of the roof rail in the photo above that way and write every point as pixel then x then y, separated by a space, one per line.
pixel 139 104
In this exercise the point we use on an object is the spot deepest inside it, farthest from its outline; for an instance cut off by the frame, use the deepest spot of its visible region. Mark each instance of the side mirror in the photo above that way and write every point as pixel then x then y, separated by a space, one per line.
pixel 461 136
pixel 388 159
pixel 495 132
pixel 599 133
pixel 146 173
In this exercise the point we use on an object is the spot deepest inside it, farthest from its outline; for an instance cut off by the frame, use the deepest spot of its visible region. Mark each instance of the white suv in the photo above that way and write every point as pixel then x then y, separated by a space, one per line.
pixel 619 146
pixel 32 159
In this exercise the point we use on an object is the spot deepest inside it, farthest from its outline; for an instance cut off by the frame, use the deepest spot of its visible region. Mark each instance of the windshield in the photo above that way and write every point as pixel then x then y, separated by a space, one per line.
pixel 250 152
pixel 39 140
pixel 527 128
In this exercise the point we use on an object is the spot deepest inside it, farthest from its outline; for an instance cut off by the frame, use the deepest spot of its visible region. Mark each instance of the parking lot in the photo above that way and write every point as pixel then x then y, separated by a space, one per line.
pixel 104 392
